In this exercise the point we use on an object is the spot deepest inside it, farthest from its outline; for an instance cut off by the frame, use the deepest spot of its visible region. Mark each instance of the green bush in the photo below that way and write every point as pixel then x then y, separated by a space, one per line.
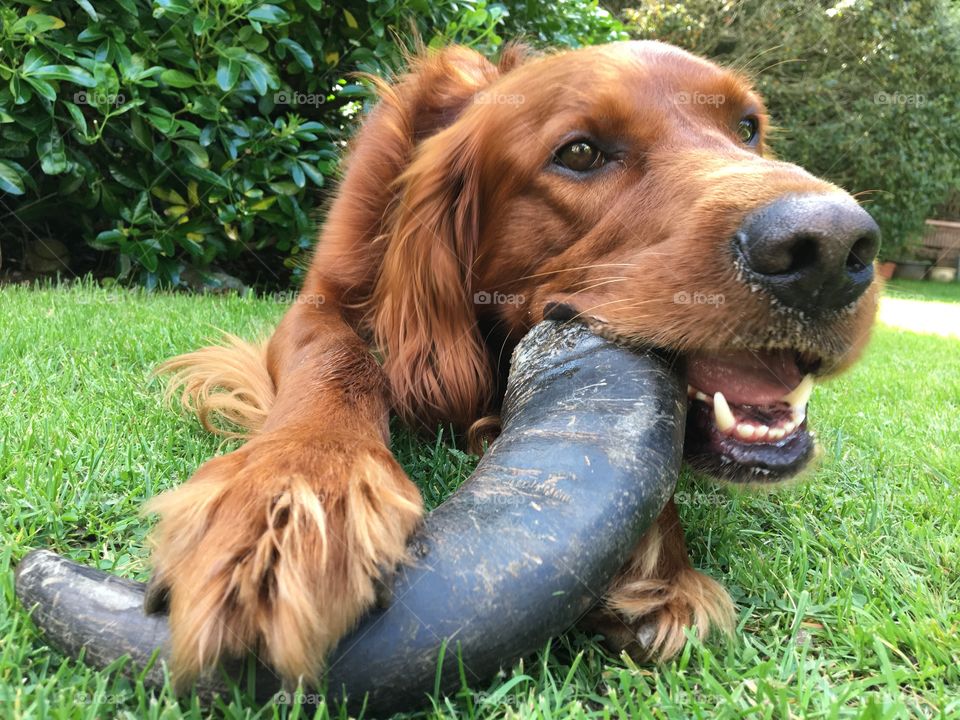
pixel 154 137
pixel 170 134
pixel 865 93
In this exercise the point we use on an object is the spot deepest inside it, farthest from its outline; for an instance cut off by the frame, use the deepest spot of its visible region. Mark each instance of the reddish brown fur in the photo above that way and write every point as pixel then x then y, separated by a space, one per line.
pixel 276 546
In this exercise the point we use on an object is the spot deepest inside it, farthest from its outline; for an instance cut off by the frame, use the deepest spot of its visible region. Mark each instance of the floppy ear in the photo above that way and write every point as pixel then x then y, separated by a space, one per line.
pixel 412 187
pixel 424 314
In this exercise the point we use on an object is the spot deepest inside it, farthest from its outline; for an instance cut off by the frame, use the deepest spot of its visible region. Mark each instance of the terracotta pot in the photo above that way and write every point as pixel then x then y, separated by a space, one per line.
pixel 886 269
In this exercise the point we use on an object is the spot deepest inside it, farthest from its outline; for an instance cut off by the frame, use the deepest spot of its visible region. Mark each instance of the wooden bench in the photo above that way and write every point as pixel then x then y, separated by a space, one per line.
pixel 941 243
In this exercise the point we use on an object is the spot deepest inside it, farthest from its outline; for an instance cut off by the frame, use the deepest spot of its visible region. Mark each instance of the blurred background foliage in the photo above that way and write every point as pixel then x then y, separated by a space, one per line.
pixel 193 142
pixel 864 93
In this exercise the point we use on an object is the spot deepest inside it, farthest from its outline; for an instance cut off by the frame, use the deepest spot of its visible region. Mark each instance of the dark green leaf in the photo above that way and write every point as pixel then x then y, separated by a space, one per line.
pixel 71 73
pixel 171 7
pixel 260 74
pixel 43 88
pixel 88 9
pixel 11 177
pixel 36 24
pixel 109 238
pixel 316 177
pixel 296 49
pixel 177 79
pixel 269 14
pixel 35 59
pixel 195 153
pixel 228 70
pixel 296 172
pixel 160 119
pixel 53 158
pixel 79 121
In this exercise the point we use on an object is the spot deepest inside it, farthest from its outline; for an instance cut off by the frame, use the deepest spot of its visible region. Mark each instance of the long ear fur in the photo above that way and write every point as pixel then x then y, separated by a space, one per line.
pixel 425 319
pixel 422 312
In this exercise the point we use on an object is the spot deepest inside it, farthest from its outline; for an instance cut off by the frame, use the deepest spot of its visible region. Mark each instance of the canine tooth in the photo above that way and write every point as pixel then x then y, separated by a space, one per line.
pixel 789 427
pixel 746 431
pixel 800 395
pixel 776 434
pixel 797 415
pixel 722 414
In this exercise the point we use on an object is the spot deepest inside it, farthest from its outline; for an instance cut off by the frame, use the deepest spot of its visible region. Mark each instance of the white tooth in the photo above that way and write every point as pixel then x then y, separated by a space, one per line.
pixel 789 427
pixel 690 390
pixel 800 395
pixel 797 415
pixel 746 431
pixel 703 397
pixel 722 414
pixel 761 432
pixel 776 434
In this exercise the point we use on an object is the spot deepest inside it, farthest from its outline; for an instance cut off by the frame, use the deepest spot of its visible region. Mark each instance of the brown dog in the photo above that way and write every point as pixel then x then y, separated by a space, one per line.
pixel 627 185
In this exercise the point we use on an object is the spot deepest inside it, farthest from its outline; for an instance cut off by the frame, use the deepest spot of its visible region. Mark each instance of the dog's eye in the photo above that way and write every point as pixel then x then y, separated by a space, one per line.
pixel 579 156
pixel 748 130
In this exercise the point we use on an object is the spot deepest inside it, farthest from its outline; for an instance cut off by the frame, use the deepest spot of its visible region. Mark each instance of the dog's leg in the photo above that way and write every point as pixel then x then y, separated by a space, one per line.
pixel 277 547
pixel 658 594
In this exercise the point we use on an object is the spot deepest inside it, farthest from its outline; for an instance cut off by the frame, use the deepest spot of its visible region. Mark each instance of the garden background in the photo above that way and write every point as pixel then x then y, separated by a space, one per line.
pixel 147 146
pixel 195 143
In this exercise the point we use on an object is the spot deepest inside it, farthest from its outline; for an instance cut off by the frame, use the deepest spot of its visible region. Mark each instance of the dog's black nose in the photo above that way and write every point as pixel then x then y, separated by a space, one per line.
pixel 812 252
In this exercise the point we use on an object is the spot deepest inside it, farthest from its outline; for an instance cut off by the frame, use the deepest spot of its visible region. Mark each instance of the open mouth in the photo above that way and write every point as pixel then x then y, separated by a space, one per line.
pixel 747 420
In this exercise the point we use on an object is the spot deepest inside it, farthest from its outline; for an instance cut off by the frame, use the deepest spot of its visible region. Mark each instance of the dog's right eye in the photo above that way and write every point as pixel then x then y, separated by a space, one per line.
pixel 579 156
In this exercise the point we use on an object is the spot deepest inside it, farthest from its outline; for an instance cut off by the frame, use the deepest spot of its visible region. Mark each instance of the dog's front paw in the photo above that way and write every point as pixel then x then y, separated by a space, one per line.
pixel 277 548
pixel 648 617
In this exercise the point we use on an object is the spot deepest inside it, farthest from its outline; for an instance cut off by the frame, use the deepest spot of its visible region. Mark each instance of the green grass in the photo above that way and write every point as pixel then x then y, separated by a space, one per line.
pixel 924 290
pixel 847 584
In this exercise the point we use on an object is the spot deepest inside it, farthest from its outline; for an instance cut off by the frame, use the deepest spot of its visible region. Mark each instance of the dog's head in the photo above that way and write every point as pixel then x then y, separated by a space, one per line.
pixel 629 186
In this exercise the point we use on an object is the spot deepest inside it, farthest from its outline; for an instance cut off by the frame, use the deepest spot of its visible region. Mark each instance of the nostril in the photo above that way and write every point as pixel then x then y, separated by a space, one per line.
pixel 803 254
pixel 861 254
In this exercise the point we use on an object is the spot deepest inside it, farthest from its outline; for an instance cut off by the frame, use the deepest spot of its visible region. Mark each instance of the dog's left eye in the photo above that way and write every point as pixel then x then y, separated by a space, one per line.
pixel 579 156
pixel 747 130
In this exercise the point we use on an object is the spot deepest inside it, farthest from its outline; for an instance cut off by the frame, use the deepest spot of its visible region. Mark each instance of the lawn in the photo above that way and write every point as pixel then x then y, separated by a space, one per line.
pixel 847 584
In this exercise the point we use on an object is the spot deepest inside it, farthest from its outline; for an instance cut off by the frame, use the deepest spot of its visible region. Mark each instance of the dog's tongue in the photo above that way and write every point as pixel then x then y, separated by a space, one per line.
pixel 745 377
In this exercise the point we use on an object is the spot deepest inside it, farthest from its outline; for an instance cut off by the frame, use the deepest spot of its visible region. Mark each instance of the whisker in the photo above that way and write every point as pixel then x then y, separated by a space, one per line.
pixel 635 303
pixel 572 269
pixel 612 278
pixel 596 285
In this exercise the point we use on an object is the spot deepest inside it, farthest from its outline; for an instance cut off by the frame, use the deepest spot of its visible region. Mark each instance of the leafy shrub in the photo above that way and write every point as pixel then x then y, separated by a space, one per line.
pixel 170 134
pixel 156 136
pixel 865 93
